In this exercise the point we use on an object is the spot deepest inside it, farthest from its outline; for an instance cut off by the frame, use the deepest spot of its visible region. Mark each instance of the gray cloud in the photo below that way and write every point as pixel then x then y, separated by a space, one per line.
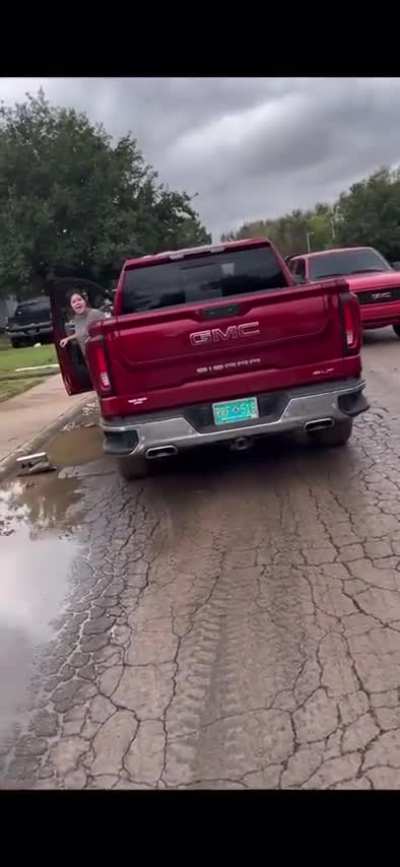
pixel 251 147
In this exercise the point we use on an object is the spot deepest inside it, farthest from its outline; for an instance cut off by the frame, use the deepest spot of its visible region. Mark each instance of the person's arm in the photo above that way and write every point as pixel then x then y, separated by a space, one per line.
pixel 96 315
pixel 65 340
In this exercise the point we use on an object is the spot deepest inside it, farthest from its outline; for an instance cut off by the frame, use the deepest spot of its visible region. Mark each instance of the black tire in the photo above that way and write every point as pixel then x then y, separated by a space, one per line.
pixel 332 437
pixel 16 342
pixel 396 329
pixel 133 467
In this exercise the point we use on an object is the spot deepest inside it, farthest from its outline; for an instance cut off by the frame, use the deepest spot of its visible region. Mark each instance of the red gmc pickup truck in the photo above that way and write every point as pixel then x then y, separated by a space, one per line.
pixel 368 274
pixel 217 344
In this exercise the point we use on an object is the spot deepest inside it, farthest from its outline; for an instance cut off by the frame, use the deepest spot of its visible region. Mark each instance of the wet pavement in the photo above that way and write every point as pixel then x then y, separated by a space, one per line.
pixel 230 622
pixel 35 556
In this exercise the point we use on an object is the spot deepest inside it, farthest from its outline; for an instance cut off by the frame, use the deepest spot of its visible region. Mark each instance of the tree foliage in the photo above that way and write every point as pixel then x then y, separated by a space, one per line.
pixel 74 202
pixel 367 214
pixel 289 232
pixel 370 213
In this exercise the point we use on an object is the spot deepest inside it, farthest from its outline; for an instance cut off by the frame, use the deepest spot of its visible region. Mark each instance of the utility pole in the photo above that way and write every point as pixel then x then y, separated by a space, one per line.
pixel 308 236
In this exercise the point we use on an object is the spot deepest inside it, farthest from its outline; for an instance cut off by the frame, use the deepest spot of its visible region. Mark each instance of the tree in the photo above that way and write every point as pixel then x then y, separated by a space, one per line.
pixel 72 202
pixel 256 229
pixel 167 221
pixel 322 227
pixel 369 214
pixel 289 233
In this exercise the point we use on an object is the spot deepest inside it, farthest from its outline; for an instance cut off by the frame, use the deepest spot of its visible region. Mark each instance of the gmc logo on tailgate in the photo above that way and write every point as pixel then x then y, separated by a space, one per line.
pixel 219 335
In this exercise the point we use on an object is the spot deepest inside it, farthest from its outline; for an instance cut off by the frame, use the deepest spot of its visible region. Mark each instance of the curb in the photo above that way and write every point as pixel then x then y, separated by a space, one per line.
pixel 8 463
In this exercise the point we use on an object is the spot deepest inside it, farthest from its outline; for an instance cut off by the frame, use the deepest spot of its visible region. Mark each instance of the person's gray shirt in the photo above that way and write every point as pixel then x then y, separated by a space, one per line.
pixel 81 323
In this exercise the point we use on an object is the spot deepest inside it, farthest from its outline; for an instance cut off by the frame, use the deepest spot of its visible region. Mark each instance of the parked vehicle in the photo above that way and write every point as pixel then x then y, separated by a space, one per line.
pixel 218 344
pixel 31 322
pixel 369 276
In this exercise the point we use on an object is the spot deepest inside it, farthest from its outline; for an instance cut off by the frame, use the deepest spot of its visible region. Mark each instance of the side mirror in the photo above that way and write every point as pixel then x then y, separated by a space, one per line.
pixel 298 278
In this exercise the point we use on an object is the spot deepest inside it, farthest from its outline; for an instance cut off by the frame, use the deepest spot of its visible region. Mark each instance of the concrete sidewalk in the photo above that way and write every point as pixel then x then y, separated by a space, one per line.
pixel 33 415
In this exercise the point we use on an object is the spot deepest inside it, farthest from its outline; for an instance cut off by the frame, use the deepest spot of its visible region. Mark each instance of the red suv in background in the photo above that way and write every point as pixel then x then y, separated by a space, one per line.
pixel 370 277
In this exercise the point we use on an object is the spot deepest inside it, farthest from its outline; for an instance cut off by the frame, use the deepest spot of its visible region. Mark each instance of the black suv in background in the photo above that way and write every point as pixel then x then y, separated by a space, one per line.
pixel 31 322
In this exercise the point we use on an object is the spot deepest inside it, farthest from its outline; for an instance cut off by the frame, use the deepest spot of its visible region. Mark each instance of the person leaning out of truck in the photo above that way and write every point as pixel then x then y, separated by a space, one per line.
pixel 83 317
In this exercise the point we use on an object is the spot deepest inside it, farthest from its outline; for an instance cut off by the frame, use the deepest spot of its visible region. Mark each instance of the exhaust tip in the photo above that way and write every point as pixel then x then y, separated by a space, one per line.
pixel 161 452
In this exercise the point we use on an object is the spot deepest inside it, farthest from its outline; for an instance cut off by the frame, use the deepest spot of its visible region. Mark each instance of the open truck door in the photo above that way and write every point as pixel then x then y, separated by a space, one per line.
pixel 73 366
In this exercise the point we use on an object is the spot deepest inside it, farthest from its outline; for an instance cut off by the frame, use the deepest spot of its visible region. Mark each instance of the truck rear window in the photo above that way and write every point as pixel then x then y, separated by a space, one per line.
pixel 199 278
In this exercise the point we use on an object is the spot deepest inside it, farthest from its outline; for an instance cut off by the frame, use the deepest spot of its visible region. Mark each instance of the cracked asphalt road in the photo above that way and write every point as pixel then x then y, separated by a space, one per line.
pixel 231 622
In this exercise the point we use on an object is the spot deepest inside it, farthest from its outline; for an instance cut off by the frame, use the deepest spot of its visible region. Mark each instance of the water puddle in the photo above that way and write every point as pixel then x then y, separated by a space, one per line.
pixel 37 547
pixel 75 447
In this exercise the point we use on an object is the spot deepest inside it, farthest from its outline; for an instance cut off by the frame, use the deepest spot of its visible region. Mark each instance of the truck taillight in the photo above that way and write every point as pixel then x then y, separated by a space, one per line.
pixel 351 322
pixel 98 365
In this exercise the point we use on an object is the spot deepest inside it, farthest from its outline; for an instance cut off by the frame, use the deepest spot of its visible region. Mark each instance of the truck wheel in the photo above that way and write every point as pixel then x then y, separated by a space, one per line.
pixel 133 467
pixel 333 436
pixel 16 342
pixel 396 329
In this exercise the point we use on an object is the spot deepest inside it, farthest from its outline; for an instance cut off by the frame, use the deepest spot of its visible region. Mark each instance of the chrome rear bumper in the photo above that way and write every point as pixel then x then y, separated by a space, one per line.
pixel 298 407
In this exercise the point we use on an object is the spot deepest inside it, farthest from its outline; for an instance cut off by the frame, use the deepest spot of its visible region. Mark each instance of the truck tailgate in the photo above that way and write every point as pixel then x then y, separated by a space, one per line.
pixel 169 357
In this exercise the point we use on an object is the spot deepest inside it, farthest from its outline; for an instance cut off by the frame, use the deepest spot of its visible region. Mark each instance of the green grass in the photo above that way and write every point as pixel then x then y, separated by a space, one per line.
pixel 11 387
pixel 11 382
pixel 27 356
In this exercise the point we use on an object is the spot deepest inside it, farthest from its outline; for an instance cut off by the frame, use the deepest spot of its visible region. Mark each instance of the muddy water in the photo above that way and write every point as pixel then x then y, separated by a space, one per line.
pixel 37 547
pixel 75 447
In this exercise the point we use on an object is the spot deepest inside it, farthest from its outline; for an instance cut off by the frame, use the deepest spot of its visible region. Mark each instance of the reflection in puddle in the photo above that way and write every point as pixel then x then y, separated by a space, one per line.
pixel 36 552
pixel 39 503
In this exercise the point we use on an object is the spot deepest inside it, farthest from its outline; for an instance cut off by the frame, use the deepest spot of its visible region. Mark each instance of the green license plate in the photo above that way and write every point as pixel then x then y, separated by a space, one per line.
pixel 232 411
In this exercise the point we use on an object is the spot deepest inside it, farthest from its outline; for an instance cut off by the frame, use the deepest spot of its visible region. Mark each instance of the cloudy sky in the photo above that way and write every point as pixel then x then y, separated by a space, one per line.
pixel 250 147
